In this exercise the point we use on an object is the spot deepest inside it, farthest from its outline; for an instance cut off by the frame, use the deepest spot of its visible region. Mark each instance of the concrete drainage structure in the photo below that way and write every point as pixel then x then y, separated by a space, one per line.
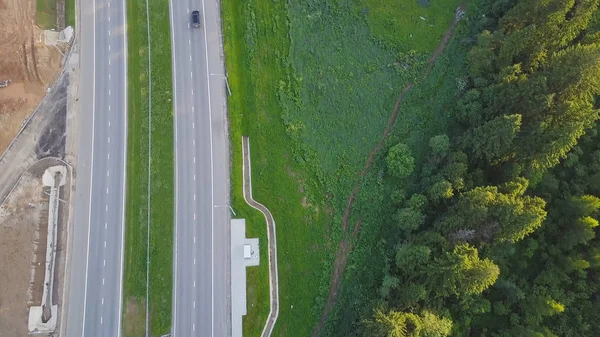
pixel 244 253
pixel 43 318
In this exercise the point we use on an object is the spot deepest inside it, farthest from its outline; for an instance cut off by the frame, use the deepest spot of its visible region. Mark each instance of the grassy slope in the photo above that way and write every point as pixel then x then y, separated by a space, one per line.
pixel 70 12
pixel 395 21
pixel 255 40
pixel 423 114
pixel 162 189
pixel 327 70
pixel 45 12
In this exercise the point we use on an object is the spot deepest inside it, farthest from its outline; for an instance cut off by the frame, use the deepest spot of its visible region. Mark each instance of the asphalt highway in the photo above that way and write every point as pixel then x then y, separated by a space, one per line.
pixel 95 286
pixel 201 304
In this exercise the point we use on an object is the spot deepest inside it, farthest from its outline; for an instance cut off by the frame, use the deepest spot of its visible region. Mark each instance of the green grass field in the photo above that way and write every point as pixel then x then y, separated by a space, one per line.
pixel 162 172
pixel 70 12
pixel 279 182
pixel 314 83
pixel 403 25
pixel 45 13
pixel 423 114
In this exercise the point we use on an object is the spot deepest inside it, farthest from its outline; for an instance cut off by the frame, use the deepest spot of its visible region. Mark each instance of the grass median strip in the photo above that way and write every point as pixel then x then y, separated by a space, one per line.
pixel 161 171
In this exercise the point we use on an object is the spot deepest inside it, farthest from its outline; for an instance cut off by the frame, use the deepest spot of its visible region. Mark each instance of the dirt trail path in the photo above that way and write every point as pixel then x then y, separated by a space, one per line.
pixel 346 244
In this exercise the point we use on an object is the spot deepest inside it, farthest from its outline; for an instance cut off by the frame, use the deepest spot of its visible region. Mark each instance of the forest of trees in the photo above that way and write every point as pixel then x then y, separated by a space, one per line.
pixel 496 233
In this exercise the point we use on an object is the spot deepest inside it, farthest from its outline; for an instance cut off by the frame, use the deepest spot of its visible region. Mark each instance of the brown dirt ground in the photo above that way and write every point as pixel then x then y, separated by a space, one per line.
pixel 19 222
pixel 28 62
pixel 346 244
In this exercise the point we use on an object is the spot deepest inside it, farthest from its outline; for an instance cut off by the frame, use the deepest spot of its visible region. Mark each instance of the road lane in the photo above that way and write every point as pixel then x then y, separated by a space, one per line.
pixel 201 303
pixel 96 280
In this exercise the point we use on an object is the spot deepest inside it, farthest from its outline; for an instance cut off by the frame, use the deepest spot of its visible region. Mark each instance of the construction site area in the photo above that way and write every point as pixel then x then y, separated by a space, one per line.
pixel 36 97
pixel 28 65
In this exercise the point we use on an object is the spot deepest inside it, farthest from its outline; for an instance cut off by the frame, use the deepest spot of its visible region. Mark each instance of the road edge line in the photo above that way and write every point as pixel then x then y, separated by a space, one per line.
pixel 174 84
pixel 126 132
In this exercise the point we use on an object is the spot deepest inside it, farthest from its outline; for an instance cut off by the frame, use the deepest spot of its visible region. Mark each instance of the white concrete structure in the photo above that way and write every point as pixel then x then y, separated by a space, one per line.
pixel 244 253
pixel 42 318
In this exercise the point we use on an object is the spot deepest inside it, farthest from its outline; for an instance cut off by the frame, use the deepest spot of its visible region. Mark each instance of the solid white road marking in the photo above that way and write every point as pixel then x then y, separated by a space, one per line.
pixel 212 181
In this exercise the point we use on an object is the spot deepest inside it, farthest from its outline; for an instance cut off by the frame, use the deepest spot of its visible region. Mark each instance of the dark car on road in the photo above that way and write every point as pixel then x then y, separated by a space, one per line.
pixel 196 19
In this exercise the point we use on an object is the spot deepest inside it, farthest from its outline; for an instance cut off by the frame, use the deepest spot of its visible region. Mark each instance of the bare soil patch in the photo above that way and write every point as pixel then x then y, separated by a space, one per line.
pixel 346 244
pixel 135 313
pixel 19 223
pixel 27 62
pixel 23 236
